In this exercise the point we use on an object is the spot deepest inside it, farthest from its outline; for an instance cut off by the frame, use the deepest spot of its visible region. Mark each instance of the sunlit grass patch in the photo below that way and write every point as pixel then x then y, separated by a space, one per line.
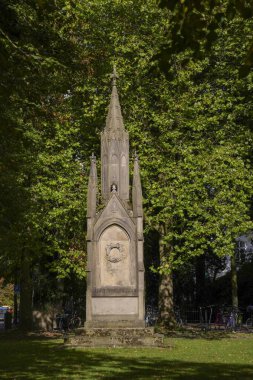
pixel 199 358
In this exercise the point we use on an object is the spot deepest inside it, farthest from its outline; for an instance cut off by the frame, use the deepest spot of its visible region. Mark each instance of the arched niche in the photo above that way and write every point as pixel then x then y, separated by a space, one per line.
pixel 114 257
pixel 123 160
pixel 114 159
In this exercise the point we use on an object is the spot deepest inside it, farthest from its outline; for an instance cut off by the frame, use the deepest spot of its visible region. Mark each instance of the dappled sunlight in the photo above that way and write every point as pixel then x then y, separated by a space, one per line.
pixel 196 359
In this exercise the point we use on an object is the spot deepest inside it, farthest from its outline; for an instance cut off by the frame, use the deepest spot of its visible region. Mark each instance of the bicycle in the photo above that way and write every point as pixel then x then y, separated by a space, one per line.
pixel 151 316
pixel 230 317
pixel 178 318
pixel 74 322
pixel 67 321
pixel 236 319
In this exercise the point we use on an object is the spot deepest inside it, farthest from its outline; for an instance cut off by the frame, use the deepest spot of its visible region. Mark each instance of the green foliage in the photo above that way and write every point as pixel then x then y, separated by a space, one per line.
pixel 197 155
pixel 6 294
pixel 191 127
pixel 43 166
pixel 196 25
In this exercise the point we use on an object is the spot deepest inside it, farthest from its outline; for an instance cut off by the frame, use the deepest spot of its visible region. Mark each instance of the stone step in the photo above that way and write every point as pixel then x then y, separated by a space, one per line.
pixel 117 337
pixel 115 324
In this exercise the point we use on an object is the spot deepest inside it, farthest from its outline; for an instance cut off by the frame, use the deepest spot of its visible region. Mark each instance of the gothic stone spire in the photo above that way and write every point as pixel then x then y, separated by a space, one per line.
pixel 114 120
pixel 115 149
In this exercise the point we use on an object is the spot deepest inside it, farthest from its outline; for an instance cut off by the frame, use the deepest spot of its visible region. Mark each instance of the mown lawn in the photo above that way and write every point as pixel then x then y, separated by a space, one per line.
pixel 210 357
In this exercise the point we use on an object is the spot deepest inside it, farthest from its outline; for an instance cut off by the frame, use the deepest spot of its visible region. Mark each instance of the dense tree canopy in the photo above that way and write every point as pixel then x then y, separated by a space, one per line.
pixel 186 104
pixel 205 139
pixel 196 24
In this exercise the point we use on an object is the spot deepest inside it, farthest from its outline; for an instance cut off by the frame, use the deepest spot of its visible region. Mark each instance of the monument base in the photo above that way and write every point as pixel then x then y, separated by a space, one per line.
pixel 115 337
pixel 117 323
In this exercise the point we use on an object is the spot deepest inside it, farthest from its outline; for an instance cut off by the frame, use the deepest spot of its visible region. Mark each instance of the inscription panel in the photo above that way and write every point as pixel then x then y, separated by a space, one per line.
pixel 115 306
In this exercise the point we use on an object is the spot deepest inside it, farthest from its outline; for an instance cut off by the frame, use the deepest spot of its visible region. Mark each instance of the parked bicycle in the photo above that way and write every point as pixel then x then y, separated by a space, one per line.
pixel 234 320
pixel 151 316
pixel 67 321
pixel 229 317
pixel 178 317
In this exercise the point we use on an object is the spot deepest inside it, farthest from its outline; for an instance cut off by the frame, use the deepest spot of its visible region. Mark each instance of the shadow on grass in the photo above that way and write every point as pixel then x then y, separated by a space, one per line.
pixel 212 334
pixel 45 359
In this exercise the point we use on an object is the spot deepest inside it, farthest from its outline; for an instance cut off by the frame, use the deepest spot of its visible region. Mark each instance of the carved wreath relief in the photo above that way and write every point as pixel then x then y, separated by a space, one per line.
pixel 115 252
pixel 114 263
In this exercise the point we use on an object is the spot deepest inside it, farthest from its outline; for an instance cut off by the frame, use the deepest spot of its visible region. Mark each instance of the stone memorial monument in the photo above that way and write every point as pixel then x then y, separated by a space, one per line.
pixel 115 278
pixel 115 308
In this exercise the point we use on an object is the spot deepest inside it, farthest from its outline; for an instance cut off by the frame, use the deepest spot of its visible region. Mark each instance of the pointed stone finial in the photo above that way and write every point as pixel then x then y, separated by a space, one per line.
pixel 114 76
pixel 114 120
pixel 136 158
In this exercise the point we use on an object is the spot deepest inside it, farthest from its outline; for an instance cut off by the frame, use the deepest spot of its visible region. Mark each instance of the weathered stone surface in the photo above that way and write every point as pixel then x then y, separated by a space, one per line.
pixel 115 305
pixel 114 257
pixel 114 322
pixel 115 337
pixel 115 273
pixel 115 151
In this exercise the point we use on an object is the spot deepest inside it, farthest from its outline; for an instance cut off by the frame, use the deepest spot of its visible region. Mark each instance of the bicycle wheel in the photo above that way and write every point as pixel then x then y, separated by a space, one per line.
pixel 74 323
pixel 249 323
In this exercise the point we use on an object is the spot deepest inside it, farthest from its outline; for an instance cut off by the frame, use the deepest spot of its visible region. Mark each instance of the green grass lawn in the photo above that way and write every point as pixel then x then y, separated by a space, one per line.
pixel 210 357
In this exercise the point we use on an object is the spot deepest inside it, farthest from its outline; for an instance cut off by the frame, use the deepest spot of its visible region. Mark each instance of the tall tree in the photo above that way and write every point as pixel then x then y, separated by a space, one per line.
pixel 203 192
pixel 42 180
pixel 51 119
pixel 191 124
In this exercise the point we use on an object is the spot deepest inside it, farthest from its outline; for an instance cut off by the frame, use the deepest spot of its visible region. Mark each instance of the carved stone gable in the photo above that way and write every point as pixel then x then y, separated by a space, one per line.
pixel 116 207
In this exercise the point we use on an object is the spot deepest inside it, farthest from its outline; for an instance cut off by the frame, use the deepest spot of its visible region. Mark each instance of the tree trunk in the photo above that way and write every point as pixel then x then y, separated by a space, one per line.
pixel 25 295
pixel 200 280
pixel 234 291
pixel 166 311
pixel 15 303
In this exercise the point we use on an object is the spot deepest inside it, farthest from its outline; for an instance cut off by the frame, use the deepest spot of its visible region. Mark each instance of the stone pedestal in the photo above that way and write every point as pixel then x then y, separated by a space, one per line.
pixel 115 337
